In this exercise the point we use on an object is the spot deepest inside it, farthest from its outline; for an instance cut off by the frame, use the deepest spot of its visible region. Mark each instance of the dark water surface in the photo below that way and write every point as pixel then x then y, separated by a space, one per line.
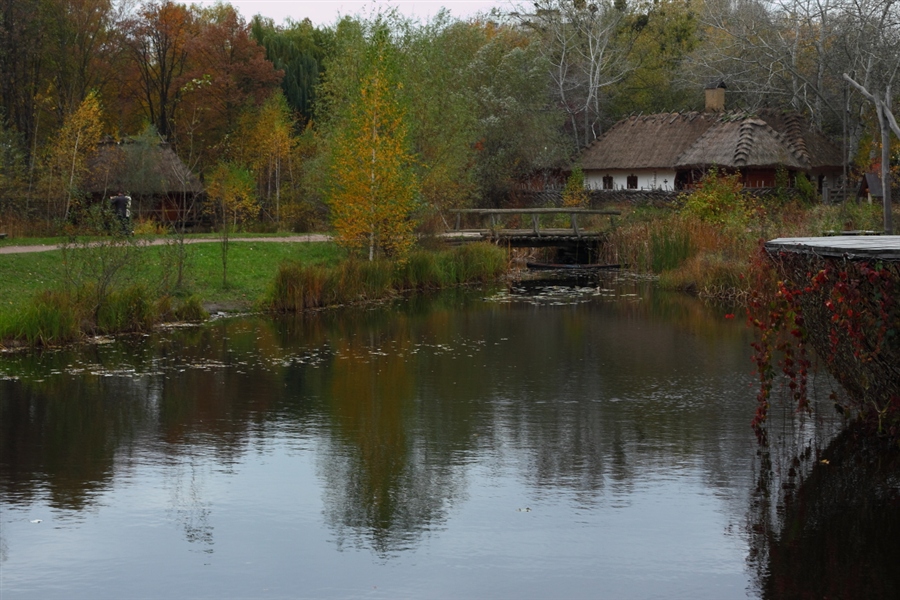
pixel 544 442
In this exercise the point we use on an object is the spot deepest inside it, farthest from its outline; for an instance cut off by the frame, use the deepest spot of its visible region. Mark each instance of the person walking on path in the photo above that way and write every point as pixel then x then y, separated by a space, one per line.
pixel 121 205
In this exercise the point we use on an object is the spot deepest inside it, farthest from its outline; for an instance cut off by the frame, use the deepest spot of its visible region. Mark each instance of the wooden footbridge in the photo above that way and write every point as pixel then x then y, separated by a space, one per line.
pixel 536 236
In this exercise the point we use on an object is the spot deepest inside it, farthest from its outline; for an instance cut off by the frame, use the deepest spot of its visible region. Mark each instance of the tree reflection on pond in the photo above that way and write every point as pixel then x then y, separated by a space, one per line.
pixel 835 528
pixel 611 423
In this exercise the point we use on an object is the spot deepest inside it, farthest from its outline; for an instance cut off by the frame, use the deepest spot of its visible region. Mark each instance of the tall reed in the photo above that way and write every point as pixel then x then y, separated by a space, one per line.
pixel 669 248
pixel 299 287
pixel 422 270
pixel 52 317
pixel 64 316
pixel 470 263
pixel 127 310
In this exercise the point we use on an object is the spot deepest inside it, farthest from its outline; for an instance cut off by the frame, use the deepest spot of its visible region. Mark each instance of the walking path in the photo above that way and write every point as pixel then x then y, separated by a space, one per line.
pixel 305 238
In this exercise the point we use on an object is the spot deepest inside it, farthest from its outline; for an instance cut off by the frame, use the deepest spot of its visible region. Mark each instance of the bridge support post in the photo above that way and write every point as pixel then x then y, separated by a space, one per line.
pixel 574 217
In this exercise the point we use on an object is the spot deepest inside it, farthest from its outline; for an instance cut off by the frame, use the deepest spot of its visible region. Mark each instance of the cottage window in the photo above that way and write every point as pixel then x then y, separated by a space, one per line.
pixel 607 182
pixel 632 182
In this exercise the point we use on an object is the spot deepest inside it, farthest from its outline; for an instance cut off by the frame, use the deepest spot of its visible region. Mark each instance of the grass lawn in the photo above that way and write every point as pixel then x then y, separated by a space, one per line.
pixel 251 269
pixel 53 241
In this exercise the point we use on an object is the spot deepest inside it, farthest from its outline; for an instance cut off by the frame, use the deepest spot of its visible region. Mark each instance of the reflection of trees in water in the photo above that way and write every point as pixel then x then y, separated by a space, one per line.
pixel 582 398
pixel 825 523
pixel 384 486
pixel 596 395
pixel 66 436
pixel 386 515
pixel 188 477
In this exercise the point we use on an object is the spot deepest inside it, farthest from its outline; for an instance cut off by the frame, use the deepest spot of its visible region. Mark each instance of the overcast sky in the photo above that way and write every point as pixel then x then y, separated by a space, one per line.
pixel 327 13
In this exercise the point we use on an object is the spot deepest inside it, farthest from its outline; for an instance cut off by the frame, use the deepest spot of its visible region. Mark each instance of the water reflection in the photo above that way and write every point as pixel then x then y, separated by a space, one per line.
pixel 827 524
pixel 428 422
pixel 389 389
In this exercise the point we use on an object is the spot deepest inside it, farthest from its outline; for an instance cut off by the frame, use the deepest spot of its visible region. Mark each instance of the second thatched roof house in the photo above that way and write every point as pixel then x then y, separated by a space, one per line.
pixel 147 169
pixel 673 150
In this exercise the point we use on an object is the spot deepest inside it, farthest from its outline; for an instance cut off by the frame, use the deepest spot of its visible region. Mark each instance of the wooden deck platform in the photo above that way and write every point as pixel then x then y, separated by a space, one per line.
pixel 854 247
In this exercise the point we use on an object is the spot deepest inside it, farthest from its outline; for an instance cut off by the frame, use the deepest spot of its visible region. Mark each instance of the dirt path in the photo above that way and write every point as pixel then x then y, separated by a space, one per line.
pixel 305 238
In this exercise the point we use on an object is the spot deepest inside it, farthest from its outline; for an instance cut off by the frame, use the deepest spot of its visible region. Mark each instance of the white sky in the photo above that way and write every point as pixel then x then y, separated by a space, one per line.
pixel 327 13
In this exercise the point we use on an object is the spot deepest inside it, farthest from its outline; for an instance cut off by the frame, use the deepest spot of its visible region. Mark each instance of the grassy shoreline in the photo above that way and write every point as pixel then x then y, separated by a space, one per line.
pixel 704 247
pixel 252 266
pixel 60 296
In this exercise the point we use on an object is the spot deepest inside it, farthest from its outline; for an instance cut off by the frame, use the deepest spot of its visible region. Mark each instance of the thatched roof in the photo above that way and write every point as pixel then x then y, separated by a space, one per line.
pixel 739 144
pixel 818 151
pixel 139 168
pixel 733 139
pixel 647 141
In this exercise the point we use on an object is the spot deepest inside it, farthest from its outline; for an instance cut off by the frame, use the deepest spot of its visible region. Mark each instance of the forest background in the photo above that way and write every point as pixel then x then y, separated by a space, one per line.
pixel 477 108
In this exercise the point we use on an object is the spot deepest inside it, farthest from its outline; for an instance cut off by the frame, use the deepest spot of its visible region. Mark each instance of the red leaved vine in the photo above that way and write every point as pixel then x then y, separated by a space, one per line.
pixel 848 311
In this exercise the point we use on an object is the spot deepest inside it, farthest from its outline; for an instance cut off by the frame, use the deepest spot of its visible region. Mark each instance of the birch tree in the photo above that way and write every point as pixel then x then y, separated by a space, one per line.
pixel 232 200
pixel 265 142
pixel 872 40
pixel 372 187
pixel 78 137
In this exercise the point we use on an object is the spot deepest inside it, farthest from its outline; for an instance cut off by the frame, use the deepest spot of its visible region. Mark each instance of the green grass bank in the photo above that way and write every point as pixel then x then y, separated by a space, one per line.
pixel 127 285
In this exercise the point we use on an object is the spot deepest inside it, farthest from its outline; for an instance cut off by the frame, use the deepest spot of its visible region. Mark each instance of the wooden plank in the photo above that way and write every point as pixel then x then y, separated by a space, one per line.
pixel 556 233
pixel 854 247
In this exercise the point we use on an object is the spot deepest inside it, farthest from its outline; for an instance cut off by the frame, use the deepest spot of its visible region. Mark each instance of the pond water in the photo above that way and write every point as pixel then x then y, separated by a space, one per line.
pixel 546 440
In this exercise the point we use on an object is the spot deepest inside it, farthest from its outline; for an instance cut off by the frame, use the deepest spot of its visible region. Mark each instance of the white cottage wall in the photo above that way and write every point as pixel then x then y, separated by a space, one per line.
pixel 647 179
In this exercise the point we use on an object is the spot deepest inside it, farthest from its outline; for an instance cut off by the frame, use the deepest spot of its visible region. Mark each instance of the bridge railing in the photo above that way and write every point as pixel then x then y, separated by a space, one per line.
pixel 535 213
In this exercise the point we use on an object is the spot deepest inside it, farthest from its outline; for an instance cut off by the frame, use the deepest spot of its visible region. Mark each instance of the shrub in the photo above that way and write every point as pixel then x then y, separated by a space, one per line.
pixel 719 199
pixel 191 310
pixel 149 227
pixel 806 189
pixel 128 309
pixel 574 194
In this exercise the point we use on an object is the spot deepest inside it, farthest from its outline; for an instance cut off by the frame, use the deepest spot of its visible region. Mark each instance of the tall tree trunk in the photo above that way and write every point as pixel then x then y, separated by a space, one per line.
pixel 886 123
pixel 885 166
pixel 71 179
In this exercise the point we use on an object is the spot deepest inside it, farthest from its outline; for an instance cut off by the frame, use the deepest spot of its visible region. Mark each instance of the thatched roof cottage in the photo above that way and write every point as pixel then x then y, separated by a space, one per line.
pixel 673 150
pixel 160 184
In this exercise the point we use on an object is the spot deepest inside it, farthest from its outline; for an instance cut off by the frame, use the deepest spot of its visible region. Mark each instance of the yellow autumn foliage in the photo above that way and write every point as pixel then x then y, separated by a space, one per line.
pixel 67 158
pixel 373 188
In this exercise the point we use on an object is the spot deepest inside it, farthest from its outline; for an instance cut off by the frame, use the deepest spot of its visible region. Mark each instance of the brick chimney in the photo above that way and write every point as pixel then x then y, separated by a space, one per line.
pixel 715 97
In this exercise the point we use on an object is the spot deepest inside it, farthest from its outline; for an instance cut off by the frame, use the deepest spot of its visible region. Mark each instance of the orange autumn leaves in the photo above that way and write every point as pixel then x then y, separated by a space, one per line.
pixel 373 188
